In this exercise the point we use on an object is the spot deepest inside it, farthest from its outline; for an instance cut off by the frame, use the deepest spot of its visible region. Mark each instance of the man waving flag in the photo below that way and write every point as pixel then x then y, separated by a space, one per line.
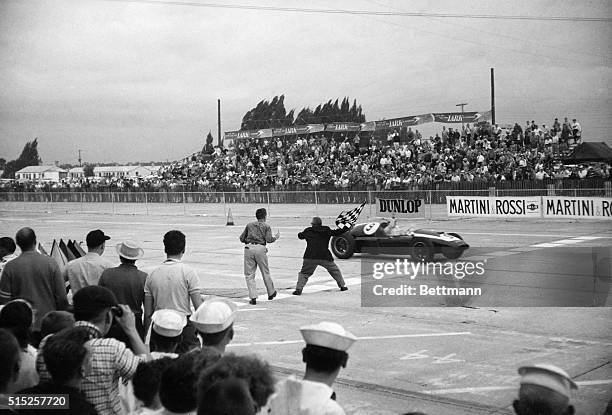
pixel 346 220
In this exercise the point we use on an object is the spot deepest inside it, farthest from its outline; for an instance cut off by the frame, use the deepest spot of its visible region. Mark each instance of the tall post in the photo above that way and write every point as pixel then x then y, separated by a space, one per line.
pixel 492 97
pixel 219 122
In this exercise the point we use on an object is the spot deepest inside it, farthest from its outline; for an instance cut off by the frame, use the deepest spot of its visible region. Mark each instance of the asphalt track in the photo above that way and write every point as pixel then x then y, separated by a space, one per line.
pixel 435 359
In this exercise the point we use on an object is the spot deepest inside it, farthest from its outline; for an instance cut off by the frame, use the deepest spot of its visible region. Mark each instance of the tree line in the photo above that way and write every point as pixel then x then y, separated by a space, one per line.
pixel 272 114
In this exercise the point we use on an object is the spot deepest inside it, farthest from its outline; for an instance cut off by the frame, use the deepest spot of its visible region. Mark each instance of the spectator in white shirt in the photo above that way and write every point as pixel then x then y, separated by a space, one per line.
pixel 87 270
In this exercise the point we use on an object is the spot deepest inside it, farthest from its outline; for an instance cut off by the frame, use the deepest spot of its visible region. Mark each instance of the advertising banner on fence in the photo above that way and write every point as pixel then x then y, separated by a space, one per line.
pixel 506 207
pixel 460 117
pixel 577 207
pixel 402 208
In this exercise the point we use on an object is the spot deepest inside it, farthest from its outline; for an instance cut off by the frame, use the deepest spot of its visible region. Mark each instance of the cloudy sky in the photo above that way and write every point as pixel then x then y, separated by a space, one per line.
pixel 139 81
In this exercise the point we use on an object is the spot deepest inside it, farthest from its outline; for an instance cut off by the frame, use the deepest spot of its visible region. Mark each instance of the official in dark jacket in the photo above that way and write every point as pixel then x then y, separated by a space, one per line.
pixel 317 239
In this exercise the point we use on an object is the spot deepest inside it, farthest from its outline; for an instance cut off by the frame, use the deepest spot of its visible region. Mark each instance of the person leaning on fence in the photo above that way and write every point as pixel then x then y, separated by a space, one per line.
pixel 317 253
pixel 255 237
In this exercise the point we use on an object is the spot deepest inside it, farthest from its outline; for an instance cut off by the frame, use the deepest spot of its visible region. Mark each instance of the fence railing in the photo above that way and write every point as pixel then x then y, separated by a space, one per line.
pixel 324 203
pixel 587 183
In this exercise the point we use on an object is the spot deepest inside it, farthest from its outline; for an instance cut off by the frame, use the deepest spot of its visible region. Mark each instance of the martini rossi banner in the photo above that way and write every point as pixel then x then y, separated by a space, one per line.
pixel 577 207
pixel 507 207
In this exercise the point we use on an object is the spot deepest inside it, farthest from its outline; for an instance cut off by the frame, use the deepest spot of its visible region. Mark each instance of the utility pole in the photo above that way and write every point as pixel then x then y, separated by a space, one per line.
pixel 461 105
pixel 492 97
pixel 80 165
pixel 219 122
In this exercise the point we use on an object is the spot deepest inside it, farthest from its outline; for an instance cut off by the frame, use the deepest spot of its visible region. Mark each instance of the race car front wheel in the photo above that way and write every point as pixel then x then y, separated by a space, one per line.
pixel 343 246
pixel 422 250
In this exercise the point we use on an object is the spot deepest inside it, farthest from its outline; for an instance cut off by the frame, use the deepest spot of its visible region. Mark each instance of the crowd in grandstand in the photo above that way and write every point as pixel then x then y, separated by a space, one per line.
pixel 96 354
pixel 473 153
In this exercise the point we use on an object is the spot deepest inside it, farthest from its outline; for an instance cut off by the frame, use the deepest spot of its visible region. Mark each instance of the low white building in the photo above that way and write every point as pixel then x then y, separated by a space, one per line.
pixel 52 174
pixel 76 173
pixel 108 172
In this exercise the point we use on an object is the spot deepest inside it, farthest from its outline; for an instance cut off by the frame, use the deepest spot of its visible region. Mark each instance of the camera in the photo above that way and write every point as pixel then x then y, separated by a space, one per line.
pixel 117 311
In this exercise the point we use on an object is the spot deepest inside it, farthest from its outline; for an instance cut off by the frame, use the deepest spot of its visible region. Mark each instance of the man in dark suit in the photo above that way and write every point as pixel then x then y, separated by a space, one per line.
pixel 317 239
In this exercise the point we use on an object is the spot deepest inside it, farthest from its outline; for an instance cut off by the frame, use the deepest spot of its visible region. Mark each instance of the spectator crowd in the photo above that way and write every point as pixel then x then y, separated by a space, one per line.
pixel 366 161
pixel 95 349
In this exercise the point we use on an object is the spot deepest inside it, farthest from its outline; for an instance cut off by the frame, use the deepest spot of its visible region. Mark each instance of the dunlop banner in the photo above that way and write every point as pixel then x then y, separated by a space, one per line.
pixel 577 207
pixel 402 208
pixel 507 207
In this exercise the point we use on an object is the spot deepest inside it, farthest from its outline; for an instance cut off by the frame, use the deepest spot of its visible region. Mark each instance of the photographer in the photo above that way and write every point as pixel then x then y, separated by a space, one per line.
pixel 95 308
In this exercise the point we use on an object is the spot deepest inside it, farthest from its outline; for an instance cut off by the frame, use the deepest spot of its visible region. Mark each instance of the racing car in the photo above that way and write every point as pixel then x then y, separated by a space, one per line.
pixel 420 244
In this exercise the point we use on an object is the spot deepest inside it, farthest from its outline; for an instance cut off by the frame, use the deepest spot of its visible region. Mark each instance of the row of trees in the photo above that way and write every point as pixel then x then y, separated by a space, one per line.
pixel 272 114
pixel 28 157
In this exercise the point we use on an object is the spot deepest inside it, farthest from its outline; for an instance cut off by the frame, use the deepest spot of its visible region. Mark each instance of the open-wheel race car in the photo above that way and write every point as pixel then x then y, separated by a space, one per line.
pixel 378 236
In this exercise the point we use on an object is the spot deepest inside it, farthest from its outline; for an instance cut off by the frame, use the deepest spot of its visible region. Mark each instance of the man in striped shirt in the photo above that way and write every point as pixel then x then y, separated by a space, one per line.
pixel 95 308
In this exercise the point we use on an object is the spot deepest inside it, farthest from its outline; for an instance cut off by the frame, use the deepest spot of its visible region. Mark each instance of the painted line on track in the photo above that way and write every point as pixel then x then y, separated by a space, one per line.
pixel 392 336
pixel 478 389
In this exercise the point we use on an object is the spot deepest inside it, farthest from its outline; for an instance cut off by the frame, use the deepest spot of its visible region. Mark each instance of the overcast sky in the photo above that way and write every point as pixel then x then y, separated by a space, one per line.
pixel 127 81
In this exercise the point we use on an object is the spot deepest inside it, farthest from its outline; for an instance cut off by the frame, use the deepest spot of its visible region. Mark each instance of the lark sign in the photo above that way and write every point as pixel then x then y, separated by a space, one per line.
pixel 401 208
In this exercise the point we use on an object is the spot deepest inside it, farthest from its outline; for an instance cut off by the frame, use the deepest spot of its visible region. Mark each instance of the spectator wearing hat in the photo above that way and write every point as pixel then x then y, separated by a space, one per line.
pixel 544 390
pixel 317 240
pixel 166 332
pixel 127 282
pixel 68 359
pixel 214 322
pixel 95 308
pixel 17 317
pixel 7 251
pixel 86 270
pixel 9 367
pixel 255 372
pixel 255 237
pixel 324 355
pixel 172 286
pixel 33 276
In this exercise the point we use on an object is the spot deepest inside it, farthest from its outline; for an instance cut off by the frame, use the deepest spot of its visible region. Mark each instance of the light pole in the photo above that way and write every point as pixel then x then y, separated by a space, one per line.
pixel 461 105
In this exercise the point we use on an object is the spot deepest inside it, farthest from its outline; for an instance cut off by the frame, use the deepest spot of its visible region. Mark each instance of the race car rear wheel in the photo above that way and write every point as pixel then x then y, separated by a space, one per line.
pixel 422 250
pixel 343 246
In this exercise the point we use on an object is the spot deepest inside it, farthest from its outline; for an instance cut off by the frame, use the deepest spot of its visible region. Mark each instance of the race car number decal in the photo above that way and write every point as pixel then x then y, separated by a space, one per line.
pixel 371 228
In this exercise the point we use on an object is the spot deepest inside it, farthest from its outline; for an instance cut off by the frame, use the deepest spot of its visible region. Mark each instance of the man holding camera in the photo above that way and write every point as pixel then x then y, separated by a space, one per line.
pixel 95 309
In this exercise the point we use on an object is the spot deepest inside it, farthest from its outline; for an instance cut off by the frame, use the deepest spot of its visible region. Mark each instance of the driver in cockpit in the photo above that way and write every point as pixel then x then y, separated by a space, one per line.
pixel 390 227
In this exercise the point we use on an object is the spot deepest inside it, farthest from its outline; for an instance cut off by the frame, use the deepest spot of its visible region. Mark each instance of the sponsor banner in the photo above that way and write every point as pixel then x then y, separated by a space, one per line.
pixel 250 134
pixel 298 129
pixel 402 208
pixel 403 121
pixel 342 126
pixel 577 207
pixel 460 117
pixel 508 207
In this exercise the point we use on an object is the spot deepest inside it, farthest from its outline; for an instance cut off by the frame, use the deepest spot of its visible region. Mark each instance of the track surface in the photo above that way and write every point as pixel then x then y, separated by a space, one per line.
pixel 439 360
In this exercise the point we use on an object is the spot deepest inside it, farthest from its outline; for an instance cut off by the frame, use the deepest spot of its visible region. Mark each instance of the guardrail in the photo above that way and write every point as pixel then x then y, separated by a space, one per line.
pixel 323 203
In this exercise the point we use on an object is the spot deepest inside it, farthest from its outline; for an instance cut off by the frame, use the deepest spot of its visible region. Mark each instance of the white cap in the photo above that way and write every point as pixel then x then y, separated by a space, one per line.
pixel 214 316
pixel 327 334
pixel 548 376
pixel 168 323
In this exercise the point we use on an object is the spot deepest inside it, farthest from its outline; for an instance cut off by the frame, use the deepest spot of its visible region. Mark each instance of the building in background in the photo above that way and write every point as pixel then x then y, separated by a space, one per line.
pixel 52 174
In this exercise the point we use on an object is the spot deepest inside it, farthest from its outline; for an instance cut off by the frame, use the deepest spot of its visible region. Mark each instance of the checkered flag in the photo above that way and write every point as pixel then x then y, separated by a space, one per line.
pixel 346 220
